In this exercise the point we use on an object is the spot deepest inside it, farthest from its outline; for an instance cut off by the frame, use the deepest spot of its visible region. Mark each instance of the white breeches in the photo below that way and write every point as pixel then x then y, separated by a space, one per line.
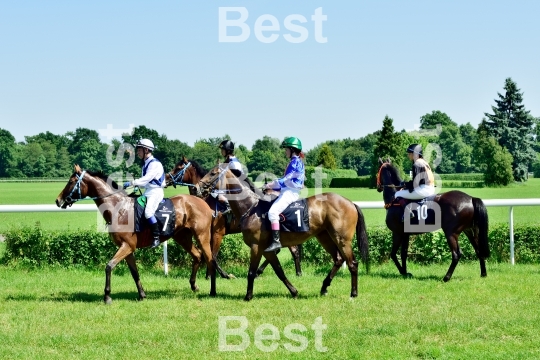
pixel 284 199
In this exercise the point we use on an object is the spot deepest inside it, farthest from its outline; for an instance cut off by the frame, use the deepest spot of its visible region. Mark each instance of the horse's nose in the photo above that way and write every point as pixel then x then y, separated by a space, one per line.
pixel 58 202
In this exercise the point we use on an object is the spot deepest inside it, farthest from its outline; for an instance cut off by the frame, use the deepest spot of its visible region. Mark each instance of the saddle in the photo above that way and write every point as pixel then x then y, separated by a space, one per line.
pixel 420 210
pixel 295 218
pixel 165 215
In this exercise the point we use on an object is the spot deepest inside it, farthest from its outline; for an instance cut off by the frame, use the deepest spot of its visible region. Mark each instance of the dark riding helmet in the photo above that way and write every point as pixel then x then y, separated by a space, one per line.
pixel 228 145
pixel 415 149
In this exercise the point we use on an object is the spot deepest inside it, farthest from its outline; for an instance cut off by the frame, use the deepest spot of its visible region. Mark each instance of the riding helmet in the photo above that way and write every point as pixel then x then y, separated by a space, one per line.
pixel 145 143
pixel 228 145
pixel 293 142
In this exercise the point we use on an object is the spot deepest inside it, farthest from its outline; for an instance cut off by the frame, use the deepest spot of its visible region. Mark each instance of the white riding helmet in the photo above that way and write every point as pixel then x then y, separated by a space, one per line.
pixel 145 143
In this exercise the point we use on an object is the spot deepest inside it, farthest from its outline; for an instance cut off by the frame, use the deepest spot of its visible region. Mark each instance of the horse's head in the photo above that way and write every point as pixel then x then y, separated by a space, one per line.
pixel 388 180
pixel 74 190
pixel 215 179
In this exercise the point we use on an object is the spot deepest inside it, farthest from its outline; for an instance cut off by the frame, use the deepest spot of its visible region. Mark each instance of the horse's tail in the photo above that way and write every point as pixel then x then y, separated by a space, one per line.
pixel 362 238
pixel 481 222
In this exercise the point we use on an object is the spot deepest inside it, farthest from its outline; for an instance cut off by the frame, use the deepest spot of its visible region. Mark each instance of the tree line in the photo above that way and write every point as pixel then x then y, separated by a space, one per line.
pixel 504 147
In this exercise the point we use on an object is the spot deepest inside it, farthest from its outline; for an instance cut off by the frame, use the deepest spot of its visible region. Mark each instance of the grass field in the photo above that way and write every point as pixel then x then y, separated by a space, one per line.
pixel 58 314
pixel 46 193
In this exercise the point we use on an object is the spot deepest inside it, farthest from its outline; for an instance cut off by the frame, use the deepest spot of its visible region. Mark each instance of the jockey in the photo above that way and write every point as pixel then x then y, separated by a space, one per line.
pixel 227 151
pixel 422 184
pixel 289 185
pixel 153 180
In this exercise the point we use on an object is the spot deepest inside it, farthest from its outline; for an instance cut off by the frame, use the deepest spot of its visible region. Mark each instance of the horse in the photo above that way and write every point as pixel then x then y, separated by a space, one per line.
pixel 459 213
pixel 333 221
pixel 189 173
pixel 193 217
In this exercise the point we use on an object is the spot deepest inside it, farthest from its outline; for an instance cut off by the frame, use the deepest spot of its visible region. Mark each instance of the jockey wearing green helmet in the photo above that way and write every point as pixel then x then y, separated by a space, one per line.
pixel 289 186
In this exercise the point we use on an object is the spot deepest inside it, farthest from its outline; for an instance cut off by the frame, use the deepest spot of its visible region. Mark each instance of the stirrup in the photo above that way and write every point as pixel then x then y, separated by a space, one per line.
pixel 155 243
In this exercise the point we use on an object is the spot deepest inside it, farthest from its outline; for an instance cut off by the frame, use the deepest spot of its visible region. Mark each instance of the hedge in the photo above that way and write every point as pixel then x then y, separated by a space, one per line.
pixel 330 174
pixel 34 246
pixel 463 177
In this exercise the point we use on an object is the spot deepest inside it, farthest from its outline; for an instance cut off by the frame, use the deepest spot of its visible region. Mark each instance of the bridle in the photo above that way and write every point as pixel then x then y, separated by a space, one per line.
pixel 180 175
pixel 77 188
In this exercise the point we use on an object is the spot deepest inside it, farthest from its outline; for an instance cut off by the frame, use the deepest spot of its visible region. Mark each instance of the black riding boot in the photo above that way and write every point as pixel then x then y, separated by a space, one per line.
pixel 274 244
pixel 155 233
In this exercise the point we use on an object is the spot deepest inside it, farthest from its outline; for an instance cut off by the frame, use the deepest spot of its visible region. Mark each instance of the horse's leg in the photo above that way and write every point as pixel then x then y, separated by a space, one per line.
pixel 473 238
pixel 452 240
pixel 261 268
pixel 400 240
pixel 120 255
pixel 204 240
pixel 326 242
pixel 217 239
pixel 345 248
pixel 295 252
pixel 276 265
pixel 183 238
pixel 132 264
pixel 255 259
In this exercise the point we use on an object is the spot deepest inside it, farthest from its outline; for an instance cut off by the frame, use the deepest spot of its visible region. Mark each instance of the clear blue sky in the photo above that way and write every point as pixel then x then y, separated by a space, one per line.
pixel 69 64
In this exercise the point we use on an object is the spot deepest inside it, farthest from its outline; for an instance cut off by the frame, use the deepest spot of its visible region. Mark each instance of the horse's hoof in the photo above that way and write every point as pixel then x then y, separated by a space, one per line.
pixel 354 294
pixel 324 293
pixel 195 288
pixel 248 298
pixel 213 294
pixel 408 276
pixel 231 276
pixel 294 295
pixel 107 300
pixel 446 279
pixel 483 275
pixel 299 274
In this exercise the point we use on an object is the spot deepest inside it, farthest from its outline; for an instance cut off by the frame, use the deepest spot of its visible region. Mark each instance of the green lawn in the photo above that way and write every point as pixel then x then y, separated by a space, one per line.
pixel 46 193
pixel 58 314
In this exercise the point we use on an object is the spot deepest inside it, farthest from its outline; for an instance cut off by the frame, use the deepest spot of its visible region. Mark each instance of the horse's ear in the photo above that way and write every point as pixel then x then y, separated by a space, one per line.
pixel 184 158
pixel 380 161
pixel 77 169
pixel 389 161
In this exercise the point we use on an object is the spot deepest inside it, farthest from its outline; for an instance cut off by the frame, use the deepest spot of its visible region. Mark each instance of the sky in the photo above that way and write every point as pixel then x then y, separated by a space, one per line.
pixel 164 65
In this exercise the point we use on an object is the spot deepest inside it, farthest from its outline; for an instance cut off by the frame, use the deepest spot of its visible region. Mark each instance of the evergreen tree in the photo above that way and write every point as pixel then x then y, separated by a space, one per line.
pixel 7 146
pixel 388 145
pixel 512 126
pixel 326 158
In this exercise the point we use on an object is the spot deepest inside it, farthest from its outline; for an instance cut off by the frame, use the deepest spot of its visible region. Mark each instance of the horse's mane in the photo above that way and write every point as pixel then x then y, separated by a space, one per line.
pixel 198 168
pixel 105 178
pixel 393 171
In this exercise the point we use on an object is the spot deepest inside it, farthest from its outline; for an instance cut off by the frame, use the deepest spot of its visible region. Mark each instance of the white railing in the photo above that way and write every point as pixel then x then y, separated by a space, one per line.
pixel 362 204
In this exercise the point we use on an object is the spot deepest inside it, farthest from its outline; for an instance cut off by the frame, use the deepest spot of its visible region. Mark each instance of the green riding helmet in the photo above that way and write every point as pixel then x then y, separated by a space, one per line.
pixel 292 142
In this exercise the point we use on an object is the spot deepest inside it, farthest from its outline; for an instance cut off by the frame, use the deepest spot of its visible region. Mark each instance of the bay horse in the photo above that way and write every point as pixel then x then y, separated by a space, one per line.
pixel 189 173
pixel 459 213
pixel 333 220
pixel 193 217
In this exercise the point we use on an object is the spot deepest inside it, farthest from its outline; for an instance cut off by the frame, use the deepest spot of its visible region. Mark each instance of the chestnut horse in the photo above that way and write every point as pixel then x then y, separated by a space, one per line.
pixel 189 173
pixel 333 220
pixel 459 213
pixel 193 216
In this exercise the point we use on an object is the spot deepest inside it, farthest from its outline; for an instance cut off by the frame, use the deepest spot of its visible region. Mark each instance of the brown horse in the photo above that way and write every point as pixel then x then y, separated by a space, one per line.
pixel 193 216
pixel 333 220
pixel 189 173
pixel 459 213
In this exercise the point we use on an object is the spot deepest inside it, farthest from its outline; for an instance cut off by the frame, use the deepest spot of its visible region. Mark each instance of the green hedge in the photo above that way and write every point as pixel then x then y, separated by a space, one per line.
pixel 463 177
pixel 351 182
pixel 432 247
pixel 330 174
pixel 463 184
pixel 34 246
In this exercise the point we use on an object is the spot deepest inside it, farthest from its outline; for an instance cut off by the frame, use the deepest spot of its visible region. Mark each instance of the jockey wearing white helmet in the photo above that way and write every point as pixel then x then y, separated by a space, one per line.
pixel 153 180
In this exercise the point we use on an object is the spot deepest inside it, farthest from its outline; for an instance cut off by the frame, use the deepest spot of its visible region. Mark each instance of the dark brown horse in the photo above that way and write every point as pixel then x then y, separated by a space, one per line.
pixel 189 173
pixel 459 213
pixel 193 216
pixel 333 220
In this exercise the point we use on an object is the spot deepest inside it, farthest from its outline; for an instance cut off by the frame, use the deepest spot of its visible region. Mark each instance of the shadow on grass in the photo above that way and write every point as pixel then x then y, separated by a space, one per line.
pixel 387 275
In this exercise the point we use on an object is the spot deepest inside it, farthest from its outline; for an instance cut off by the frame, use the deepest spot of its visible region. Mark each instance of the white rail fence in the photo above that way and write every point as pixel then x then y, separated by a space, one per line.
pixel 510 203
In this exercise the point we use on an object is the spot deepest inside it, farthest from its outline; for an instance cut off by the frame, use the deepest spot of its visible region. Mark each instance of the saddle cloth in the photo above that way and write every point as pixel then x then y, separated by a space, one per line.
pixel 295 218
pixel 422 210
pixel 165 215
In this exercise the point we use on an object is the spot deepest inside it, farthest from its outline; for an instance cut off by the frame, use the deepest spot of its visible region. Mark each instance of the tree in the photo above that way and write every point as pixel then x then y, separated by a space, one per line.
pixel 430 121
pixel 7 146
pixel 326 158
pixel 456 154
pixel 388 145
pixel 356 159
pixel 494 160
pixel 512 126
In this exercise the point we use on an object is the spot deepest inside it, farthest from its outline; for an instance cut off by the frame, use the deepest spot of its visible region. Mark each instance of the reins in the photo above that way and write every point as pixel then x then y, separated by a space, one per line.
pixel 180 175
pixel 70 200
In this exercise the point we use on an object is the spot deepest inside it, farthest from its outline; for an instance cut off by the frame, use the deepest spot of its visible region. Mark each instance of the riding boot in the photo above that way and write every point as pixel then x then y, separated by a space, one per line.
pixel 155 234
pixel 274 244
